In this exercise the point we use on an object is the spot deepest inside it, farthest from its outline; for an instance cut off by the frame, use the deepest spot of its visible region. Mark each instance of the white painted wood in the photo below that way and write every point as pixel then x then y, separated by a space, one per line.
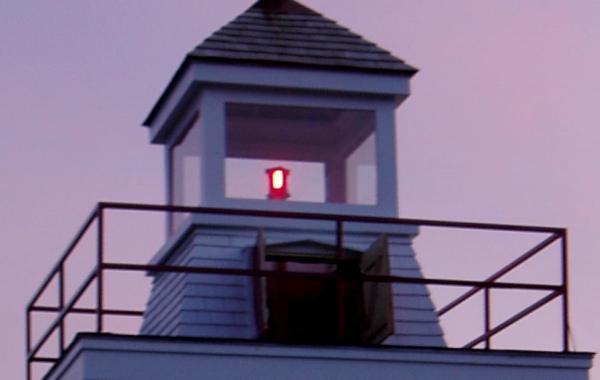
pixel 207 90
pixel 212 103
pixel 198 75
pixel 133 358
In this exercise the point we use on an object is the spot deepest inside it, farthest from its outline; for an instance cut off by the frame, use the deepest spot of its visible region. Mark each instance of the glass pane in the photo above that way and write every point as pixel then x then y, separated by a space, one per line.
pixel 246 178
pixel 329 152
pixel 361 174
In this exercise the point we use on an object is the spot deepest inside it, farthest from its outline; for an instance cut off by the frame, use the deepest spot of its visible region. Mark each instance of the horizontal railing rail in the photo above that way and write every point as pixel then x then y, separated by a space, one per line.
pixel 514 264
pixel 96 276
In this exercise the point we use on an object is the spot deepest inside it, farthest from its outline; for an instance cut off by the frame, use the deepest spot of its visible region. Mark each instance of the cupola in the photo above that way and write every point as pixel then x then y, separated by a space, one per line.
pixel 283 86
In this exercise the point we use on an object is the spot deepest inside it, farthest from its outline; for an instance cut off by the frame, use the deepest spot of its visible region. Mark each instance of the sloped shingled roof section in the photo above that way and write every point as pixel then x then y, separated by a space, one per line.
pixel 285 32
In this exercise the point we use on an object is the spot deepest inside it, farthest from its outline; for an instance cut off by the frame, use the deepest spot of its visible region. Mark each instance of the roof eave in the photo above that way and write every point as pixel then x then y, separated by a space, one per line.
pixel 167 91
pixel 404 70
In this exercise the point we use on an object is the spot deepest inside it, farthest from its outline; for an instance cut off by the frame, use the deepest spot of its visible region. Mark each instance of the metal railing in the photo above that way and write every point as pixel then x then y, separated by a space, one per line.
pixel 66 307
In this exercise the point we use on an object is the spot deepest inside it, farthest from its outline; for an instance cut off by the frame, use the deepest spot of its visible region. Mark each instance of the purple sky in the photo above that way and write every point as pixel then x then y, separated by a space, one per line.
pixel 503 124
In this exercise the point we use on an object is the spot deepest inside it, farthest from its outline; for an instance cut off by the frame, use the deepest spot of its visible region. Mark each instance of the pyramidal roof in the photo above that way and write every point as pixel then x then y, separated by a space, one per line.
pixel 285 32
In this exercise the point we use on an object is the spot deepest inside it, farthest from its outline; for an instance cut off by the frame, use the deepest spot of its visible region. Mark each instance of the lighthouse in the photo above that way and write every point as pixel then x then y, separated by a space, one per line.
pixel 300 119
pixel 284 256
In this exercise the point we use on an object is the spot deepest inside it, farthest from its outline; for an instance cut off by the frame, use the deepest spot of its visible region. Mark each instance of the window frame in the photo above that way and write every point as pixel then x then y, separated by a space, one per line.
pixel 178 139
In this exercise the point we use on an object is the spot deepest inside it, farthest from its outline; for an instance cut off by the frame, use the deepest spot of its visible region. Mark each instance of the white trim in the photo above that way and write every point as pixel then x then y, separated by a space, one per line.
pixel 141 357
pixel 199 75
pixel 215 98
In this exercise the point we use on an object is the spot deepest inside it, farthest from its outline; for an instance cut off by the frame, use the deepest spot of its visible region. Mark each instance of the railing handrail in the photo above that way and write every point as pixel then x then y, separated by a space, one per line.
pixel 330 217
pixel 64 308
pixel 505 270
pixel 56 268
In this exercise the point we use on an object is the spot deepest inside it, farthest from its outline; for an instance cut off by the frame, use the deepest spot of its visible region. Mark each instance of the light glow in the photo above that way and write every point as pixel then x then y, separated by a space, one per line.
pixel 277 179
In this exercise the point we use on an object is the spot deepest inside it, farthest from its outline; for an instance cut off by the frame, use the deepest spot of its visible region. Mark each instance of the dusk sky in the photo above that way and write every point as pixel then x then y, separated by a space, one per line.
pixel 503 124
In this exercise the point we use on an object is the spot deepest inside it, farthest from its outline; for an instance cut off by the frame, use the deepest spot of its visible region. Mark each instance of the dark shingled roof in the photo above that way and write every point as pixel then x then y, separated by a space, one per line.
pixel 285 32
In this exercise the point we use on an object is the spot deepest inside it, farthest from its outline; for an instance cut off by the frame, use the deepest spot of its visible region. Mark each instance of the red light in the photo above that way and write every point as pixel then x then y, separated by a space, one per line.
pixel 277 179
pixel 278 183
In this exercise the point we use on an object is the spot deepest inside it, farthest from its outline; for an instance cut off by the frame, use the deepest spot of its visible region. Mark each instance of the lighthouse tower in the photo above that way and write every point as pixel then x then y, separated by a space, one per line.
pixel 284 257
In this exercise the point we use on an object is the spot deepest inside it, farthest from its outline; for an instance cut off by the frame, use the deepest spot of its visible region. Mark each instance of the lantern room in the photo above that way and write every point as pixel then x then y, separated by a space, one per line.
pixel 321 109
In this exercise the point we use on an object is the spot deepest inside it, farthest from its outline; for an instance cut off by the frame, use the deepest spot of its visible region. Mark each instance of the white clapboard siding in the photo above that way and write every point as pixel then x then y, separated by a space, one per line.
pixel 199 304
pixel 221 306
pixel 415 318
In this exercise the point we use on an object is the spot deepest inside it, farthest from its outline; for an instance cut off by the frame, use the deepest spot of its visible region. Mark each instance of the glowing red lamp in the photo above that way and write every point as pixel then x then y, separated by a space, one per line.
pixel 278 183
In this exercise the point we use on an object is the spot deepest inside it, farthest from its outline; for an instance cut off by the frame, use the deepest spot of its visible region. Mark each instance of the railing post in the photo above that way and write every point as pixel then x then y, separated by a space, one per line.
pixel 99 270
pixel 565 290
pixel 61 305
pixel 28 342
pixel 28 330
pixel 339 231
pixel 487 317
